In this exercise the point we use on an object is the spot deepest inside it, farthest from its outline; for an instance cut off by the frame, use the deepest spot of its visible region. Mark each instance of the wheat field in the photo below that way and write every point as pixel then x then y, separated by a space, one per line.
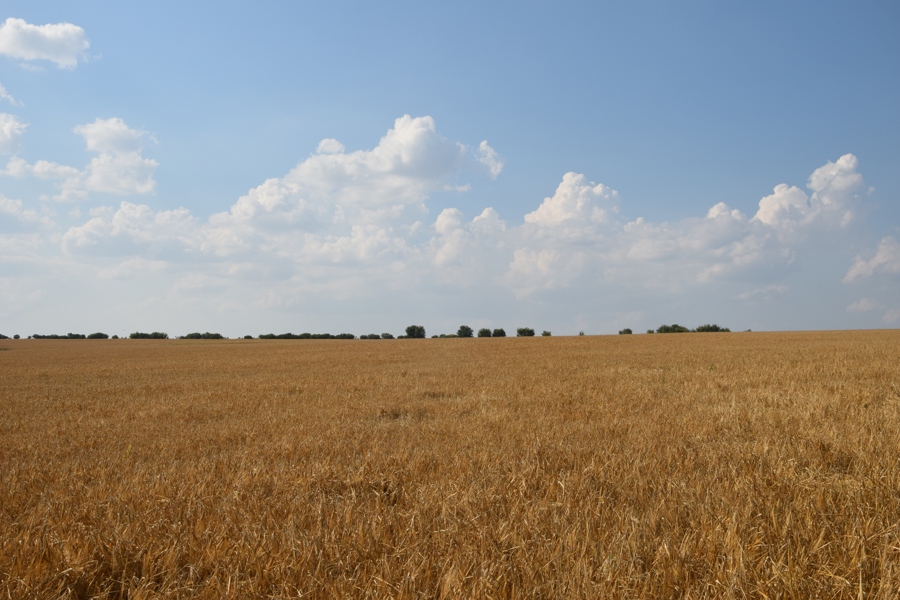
pixel 736 465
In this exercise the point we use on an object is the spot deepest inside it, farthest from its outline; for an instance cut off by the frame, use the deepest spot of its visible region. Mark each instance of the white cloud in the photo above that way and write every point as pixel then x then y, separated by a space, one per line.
pixel 119 168
pixel 886 260
pixel 42 169
pixel 786 204
pixel 122 174
pixel 16 210
pixel 863 305
pixel 490 159
pixel 576 201
pixel 4 95
pixel 330 146
pixel 834 186
pixel 111 136
pixel 60 43
pixel 344 225
pixel 133 228
pixel 11 130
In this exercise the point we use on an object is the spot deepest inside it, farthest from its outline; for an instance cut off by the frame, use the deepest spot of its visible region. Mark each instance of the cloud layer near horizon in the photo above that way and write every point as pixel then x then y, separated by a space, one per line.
pixel 361 226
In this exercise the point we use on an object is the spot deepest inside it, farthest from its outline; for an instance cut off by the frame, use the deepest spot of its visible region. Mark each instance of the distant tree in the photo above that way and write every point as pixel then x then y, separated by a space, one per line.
pixel 156 335
pixel 580 333
pixel 546 333
pixel 524 332
pixel 464 331
pixel 202 336
pixel 248 337
pixel 673 328
pixel 387 336
pixel 115 337
pixel 345 336
pixel 649 331
pixel 15 337
pixel 711 329
pixel 484 332
pixel 626 331
pixel 499 333
pixel 98 336
pixel 3 337
pixel 415 331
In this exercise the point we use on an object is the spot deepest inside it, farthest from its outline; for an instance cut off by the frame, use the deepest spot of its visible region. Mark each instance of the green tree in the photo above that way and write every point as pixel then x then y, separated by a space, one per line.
pixel 464 331
pixel 484 332
pixel 546 333
pixel 524 332
pixel 626 331
pixel 415 331
pixel 711 328
pixel 673 328
pixel 499 333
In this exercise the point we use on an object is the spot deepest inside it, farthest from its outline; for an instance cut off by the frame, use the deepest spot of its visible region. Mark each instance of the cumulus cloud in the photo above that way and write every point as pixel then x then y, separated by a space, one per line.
pixel 834 187
pixel 348 224
pixel 886 260
pixel 119 167
pixel 11 130
pixel 575 201
pixel 362 211
pixel 61 43
pixel 111 136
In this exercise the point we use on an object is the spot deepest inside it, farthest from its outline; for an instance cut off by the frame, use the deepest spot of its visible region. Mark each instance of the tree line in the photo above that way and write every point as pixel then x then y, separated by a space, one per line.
pixel 411 332
pixel 676 328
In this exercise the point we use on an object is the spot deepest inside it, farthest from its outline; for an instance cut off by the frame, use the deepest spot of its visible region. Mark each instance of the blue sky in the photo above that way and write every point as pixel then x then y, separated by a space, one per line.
pixel 566 166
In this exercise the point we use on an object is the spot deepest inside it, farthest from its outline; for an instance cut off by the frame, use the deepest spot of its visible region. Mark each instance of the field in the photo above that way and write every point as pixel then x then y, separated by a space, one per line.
pixel 733 465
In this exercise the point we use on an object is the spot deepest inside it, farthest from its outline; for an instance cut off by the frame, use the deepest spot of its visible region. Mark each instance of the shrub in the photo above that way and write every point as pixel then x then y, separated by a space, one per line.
pixel 546 333
pixel 98 336
pixel 580 333
pixel 625 331
pixel 53 336
pixel 524 332
pixel 248 337
pixel 115 337
pixel 673 328
pixel 499 333
pixel 371 336
pixel 387 336
pixel 484 332
pixel 15 337
pixel 415 331
pixel 464 331
pixel 156 335
pixel 202 336
pixel 711 328
pixel 649 331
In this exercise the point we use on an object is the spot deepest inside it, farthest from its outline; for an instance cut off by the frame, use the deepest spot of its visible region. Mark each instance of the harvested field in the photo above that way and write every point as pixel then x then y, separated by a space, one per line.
pixel 741 465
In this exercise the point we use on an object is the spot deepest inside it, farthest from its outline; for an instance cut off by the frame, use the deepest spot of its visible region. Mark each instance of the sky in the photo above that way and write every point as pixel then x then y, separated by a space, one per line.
pixel 359 167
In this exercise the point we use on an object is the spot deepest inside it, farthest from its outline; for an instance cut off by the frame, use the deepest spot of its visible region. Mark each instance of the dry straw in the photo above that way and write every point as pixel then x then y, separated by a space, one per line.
pixel 680 466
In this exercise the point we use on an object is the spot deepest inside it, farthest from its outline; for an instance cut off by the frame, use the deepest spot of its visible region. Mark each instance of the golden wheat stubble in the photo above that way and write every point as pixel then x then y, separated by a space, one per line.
pixel 693 465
